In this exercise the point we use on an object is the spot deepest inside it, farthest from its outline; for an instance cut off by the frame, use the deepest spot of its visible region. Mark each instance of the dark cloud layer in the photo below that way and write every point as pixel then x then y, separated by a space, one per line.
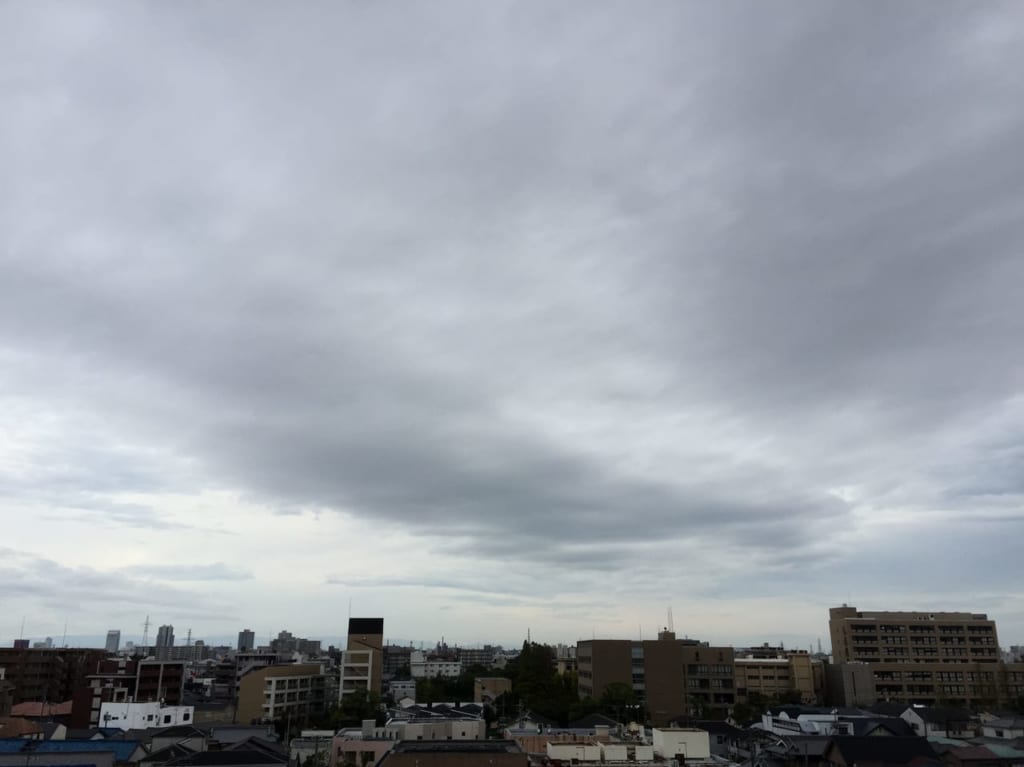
pixel 720 290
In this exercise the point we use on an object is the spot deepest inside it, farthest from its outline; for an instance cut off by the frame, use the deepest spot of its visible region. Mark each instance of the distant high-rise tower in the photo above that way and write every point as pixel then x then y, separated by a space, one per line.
pixel 113 641
pixel 246 640
pixel 164 642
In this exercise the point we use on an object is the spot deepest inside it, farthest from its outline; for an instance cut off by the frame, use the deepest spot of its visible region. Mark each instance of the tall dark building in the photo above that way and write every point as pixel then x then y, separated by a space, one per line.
pixel 246 640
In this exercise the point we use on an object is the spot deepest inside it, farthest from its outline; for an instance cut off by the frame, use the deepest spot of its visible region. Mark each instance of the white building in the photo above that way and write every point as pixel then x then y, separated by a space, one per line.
pixel 573 752
pixel 681 741
pixel 1004 728
pixel 402 688
pixel 423 667
pixel 127 715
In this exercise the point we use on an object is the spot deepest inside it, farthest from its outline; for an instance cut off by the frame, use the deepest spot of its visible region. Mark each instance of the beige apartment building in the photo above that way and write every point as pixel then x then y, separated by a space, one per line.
pixel 280 691
pixel 922 657
pixel 362 663
pixel 779 675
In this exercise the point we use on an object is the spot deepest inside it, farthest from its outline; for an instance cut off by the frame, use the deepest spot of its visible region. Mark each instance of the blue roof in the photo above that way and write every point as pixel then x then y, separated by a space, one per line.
pixel 122 749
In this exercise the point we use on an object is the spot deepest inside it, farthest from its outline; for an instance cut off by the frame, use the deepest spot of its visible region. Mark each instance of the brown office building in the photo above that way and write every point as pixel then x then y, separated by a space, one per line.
pixel 922 657
pixel 670 677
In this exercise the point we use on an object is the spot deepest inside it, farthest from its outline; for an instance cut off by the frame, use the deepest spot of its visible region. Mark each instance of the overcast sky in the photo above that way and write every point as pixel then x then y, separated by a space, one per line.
pixel 489 316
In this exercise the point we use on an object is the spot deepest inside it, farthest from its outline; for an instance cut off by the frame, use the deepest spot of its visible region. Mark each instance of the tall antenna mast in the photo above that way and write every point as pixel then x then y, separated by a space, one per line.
pixel 64 639
pixel 145 633
pixel 671 625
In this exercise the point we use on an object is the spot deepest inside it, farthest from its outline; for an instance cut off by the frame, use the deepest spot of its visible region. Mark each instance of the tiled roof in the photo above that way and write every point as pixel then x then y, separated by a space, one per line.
pixel 122 749
pixel 39 709
pixel 18 727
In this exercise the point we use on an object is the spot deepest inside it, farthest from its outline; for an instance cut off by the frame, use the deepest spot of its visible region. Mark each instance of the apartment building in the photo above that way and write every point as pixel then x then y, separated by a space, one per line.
pixel 122 680
pixel 669 677
pixel 47 674
pixel 362 663
pixel 922 657
pixel 275 692
pixel 424 665
pixel 779 675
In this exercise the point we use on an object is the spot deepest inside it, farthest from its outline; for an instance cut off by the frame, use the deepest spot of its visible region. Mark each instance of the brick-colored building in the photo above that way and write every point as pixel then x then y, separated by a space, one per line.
pixel 47 674
pixel 669 677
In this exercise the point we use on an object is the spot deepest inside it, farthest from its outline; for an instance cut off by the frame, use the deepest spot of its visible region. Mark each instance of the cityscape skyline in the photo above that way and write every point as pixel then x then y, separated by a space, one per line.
pixel 220 637
pixel 504 316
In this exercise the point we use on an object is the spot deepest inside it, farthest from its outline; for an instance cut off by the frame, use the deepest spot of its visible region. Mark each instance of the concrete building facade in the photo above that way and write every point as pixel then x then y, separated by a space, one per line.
pixel 128 715
pixel 426 666
pixel 362 663
pixel 275 692
pixel 669 677
pixel 922 657
pixel 788 673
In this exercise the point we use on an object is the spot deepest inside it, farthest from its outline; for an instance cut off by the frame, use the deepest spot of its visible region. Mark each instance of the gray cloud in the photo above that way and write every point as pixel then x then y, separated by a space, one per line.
pixel 702 294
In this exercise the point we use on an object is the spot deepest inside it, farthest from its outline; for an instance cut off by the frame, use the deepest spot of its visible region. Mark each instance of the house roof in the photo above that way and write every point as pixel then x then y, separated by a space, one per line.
pixel 257 744
pixel 1014 723
pixel 942 714
pixel 18 727
pixel 123 750
pixel 887 708
pixel 591 721
pixel 241 756
pixel 719 728
pixel 876 726
pixel 894 750
pixel 538 719
pixel 456 746
pixel 807 745
pixel 167 754
pixel 39 709
pixel 181 731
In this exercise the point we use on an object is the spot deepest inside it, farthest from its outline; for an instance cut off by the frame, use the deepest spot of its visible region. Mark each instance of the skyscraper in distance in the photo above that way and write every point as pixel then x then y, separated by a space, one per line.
pixel 113 641
pixel 246 640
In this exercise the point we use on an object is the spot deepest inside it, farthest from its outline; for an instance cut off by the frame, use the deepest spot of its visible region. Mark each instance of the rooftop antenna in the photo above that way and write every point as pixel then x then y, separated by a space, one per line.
pixel 671 625
pixel 145 633
pixel 22 634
